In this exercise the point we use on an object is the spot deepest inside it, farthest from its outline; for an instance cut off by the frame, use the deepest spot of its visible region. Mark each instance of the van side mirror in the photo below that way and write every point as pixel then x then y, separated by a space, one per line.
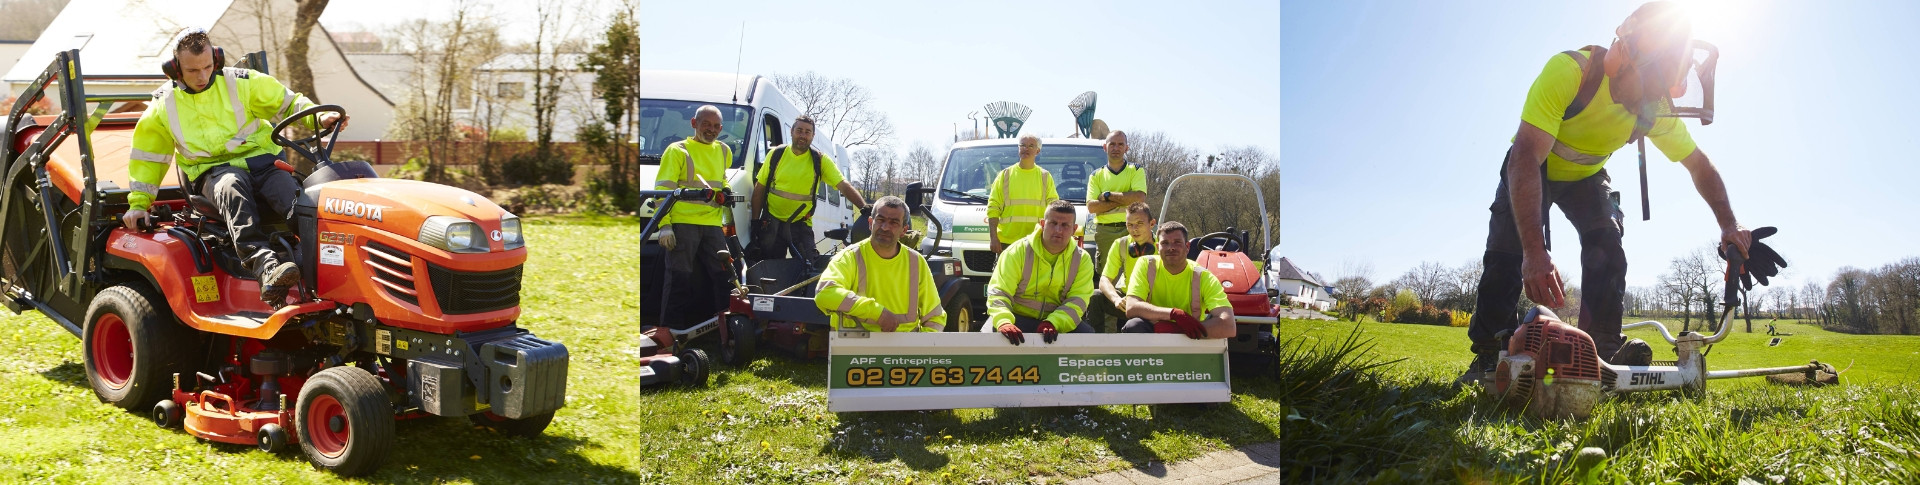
pixel 916 197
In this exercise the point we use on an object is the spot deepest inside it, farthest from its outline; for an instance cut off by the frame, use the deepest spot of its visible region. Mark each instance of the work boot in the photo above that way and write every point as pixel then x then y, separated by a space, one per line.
pixel 1480 370
pixel 1633 352
pixel 276 281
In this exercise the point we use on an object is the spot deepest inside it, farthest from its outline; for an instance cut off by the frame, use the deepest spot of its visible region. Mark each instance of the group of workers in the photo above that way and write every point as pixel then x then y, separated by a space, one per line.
pixel 1042 282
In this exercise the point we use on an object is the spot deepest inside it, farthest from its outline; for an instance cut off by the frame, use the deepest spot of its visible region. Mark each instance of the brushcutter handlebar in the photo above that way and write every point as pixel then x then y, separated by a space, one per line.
pixel 1736 264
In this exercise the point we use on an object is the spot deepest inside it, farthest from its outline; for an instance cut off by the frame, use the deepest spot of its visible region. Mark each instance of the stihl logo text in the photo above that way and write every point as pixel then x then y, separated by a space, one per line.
pixel 1648 379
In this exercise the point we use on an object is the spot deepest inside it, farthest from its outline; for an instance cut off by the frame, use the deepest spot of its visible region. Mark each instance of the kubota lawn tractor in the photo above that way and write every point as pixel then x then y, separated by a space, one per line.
pixel 407 306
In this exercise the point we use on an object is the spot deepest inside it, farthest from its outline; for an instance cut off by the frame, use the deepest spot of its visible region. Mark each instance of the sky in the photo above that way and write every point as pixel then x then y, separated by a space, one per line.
pixel 517 17
pixel 1395 116
pixel 1205 74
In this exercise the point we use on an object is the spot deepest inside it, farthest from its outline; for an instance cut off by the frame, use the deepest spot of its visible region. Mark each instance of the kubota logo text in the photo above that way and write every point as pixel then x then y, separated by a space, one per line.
pixel 351 208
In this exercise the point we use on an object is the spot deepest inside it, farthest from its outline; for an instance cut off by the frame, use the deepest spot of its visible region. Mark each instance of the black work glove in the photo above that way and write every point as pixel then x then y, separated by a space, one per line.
pixel 1012 333
pixel 1762 262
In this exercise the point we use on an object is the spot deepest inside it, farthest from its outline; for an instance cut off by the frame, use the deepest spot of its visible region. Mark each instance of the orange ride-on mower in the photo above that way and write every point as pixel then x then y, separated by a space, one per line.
pixel 407 306
pixel 1256 306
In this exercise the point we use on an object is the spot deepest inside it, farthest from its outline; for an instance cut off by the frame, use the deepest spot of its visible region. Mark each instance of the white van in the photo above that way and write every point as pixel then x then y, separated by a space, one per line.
pixel 961 203
pixel 756 116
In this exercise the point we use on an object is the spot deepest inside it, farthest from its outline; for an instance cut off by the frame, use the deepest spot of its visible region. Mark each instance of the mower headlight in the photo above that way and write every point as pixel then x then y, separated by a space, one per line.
pixel 453 234
pixel 510 232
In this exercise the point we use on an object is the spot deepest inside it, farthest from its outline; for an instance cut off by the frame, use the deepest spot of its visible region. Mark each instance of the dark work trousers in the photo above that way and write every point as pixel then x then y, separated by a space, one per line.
pixel 781 236
pixel 1595 213
pixel 240 195
pixel 696 280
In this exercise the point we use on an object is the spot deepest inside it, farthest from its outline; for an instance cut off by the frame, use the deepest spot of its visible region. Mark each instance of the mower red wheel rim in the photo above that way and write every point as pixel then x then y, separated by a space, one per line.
pixel 112 350
pixel 322 437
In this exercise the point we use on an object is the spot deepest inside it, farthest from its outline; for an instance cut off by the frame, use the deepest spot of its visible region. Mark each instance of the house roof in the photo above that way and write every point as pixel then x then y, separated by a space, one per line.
pixel 389 73
pixel 115 36
pixel 1286 270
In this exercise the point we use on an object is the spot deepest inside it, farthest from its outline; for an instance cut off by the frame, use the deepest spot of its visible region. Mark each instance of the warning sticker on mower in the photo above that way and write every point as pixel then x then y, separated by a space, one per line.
pixel 333 255
pixel 205 289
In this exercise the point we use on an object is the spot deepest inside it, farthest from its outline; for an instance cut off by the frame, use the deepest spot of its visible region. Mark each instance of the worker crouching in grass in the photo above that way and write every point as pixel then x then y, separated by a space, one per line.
pixel 1166 291
pixel 879 283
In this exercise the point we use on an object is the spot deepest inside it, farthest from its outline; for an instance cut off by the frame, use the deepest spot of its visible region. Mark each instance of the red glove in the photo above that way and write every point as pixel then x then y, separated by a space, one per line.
pixel 1012 333
pixel 717 197
pixel 1188 325
pixel 1047 332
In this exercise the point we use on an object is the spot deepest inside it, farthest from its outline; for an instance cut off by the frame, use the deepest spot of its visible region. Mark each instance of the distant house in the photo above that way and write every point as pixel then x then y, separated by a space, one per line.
pixel 133 37
pixel 500 90
pixel 1301 288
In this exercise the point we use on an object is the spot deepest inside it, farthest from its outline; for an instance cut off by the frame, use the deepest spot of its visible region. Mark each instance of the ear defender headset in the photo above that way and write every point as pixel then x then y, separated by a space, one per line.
pixel 172 66
pixel 1141 249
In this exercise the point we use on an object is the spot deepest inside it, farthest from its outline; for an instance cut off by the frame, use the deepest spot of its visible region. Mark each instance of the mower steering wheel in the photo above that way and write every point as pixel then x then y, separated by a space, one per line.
pixel 311 147
pixel 1222 241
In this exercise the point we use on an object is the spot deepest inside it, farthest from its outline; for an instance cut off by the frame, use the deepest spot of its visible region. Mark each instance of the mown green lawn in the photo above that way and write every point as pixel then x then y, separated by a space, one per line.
pixel 766 423
pixel 1375 402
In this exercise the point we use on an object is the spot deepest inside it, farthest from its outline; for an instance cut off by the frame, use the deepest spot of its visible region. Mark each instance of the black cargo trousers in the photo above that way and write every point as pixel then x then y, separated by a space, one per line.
pixel 1594 209
pixel 239 194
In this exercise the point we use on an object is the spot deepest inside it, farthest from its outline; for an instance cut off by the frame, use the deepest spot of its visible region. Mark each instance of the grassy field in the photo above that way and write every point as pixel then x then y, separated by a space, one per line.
pixel 766 423
pixel 1375 402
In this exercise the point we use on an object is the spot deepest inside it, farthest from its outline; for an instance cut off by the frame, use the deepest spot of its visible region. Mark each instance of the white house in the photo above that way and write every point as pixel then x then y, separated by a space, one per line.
pixel 133 37
pixel 10 52
pixel 501 90
pixel 1300 287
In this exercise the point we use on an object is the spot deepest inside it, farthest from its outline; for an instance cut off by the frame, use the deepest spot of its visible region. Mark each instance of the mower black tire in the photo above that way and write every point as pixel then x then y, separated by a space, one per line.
pixel 345 421
pixel 166 413
pixel 743 340
pixel 694 365
pixel 527 427
pixel 960 317
pixel 133 347
pixel 271 438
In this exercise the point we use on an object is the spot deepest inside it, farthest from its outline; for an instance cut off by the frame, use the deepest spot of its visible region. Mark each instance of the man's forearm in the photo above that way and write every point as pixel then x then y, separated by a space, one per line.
pixel 1523 196
pixel 759 194
pixel 1128 198
pixel 1138 308
pixel 1220 324
pixel 1713 189
pixel 846 189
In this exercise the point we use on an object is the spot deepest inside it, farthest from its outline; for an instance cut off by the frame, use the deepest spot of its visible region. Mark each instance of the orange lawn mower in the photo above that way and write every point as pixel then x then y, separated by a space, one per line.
pixel 1256 304
pixel 407 305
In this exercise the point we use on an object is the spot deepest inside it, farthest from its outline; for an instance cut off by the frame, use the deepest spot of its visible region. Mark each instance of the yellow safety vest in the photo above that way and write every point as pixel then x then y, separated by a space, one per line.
pixel 1042 290
pixel 225 124
pixel 850 270
pixel 1019 199
pixel 679 164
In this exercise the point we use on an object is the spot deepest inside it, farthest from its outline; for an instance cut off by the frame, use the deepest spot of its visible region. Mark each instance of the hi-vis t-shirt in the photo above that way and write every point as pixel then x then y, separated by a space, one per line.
pixel 1600 129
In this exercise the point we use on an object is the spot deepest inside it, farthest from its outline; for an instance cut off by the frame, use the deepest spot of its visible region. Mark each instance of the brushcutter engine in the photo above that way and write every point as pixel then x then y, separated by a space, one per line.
pixel 1550 369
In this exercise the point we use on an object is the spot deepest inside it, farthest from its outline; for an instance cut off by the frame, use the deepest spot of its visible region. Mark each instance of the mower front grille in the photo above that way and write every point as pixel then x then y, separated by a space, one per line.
pixel 392 270
pixel 463 292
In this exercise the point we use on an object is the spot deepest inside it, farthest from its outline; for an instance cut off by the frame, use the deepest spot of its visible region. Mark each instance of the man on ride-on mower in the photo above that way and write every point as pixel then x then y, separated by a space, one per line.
pixel 1586 104
pixel 1166 293
pixel 215 118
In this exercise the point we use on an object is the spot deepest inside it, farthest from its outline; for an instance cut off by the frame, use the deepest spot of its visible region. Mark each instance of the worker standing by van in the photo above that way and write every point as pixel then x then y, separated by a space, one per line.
pixel 1109 192
pixel 784 196
pixel 691 231
pixel 1040 283
pixel 879 283
pixel 1018 196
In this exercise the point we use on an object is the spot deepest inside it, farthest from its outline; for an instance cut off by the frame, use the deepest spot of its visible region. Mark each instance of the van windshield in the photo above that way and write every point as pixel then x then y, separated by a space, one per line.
pixel 969 170
pixel 664 121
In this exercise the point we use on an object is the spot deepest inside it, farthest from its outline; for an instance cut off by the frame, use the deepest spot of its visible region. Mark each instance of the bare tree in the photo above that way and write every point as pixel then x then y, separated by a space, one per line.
pixel 870 167
pixel 842 109
pixel 1427 281
pixel 298 73
pixel 920 164
pixel 1690 280
pixel 445 55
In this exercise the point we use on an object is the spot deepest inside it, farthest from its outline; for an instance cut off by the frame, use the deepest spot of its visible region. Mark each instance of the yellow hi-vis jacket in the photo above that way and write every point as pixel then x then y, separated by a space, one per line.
pixel 231 120
pixel 680 163
pixel 1018 198
pixel 1030 283
pixel 859 283
pixel 1195 290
